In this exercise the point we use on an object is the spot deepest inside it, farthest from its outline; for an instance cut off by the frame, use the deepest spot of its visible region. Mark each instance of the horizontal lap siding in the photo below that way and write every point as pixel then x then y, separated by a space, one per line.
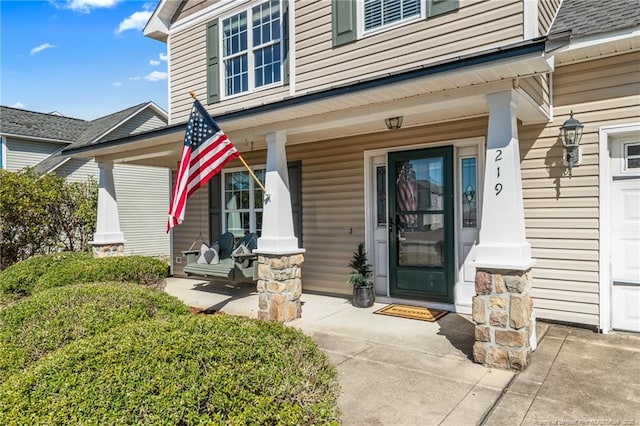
pixel 474 27
pixel 21 153
pixel 562 214
pixel 333 195
pixel 142 122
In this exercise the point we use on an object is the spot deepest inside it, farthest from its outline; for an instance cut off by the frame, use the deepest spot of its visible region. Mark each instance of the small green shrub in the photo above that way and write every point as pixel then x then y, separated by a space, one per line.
pixel 19 279
pixel 178 370
pixel 135 269
pixel 52 318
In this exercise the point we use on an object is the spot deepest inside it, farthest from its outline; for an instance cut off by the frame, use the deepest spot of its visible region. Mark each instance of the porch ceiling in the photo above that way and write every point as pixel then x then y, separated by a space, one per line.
pixel 443 96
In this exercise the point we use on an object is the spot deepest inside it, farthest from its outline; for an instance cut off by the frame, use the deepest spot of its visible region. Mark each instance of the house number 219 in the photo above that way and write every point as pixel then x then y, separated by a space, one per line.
pixel 498 186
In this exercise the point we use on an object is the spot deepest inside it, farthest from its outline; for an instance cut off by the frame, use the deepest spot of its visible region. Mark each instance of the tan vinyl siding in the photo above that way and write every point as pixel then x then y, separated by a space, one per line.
pixel 562 213
pixel 145 120
pixel 537 87
pixel 143 202
pixel 193 230
pixel 333 195
pixel 547 10
pixel 187 50
pixel 189 7
pixel 474 27
pixel 24 153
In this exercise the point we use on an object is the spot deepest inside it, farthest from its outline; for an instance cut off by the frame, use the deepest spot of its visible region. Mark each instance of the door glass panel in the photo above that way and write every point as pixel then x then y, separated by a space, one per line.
pixel 381 195
pixel 468 190
pixel 419 184
pixel 422 245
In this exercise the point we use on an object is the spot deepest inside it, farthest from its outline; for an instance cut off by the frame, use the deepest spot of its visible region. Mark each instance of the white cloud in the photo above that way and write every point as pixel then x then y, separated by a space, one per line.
pixel 136 21
pixel 85 6
pixel 156 76
pixel 117 84
pixel 136 78
pixel 40 48
pixel 154 63
pixel 164 57
pixel 18 105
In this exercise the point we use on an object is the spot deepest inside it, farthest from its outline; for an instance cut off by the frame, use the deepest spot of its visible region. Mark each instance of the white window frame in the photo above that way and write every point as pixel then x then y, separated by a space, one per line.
pixel 363 34
pixel 626 157
pixel 250 52
pixel 252 187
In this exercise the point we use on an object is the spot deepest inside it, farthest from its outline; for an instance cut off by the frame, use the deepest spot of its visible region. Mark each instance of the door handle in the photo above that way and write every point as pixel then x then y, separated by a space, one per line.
pixel 390 225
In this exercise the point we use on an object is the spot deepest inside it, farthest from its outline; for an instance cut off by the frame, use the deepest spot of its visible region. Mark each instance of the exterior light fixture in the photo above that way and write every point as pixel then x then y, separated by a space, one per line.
pixel 393 122
pixel 571 135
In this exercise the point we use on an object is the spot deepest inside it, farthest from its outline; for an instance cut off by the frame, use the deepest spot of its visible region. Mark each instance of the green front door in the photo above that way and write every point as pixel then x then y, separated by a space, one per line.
pixel 421 223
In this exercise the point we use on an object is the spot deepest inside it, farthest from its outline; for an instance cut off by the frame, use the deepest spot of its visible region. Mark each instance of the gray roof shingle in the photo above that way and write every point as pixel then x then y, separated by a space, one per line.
pixel 588 17
pixel 21 122
pixel 101 125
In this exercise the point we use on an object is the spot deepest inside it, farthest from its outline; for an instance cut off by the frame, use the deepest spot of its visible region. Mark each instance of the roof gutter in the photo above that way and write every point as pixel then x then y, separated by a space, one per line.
pixel 528 47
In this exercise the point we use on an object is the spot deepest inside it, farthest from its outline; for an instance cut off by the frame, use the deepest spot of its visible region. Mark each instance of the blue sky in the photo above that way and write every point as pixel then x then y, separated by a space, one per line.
pixel 82 58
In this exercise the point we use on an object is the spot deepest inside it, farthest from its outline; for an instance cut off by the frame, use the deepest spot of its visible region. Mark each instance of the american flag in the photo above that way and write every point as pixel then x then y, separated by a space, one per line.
pixel 205 152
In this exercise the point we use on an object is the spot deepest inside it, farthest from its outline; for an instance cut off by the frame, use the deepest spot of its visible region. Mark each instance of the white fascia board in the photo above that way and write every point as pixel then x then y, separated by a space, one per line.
pixel 602 38
pixel 206 14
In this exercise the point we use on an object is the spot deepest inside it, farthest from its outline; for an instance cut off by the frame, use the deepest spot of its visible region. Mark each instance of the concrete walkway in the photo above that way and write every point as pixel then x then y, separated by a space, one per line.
pixel 396 371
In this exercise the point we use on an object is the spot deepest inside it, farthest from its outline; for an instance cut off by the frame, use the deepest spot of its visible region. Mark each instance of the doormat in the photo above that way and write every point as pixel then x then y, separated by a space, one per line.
pixel 412 312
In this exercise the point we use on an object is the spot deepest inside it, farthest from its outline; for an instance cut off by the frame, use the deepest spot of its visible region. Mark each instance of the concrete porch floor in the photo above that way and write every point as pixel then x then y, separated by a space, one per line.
pixel 396 371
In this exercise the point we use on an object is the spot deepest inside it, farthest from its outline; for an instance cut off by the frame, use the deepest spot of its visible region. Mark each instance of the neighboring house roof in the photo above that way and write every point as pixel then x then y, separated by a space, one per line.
pixel 25 124
pixel 588 17
pixel 37 125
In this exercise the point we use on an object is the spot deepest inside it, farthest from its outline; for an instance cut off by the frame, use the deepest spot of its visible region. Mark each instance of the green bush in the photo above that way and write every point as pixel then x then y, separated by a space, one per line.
pixel 135 269
pixel 178 370
pixel 19 279
pixel 53 318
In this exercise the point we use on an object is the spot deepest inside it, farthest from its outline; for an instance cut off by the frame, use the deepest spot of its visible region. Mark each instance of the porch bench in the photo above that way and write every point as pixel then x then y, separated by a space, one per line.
pixel 236 268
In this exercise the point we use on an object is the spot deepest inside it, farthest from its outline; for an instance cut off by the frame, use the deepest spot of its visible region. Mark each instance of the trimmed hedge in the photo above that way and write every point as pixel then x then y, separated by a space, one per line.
pixel 134 269
pixel 19 279
pixel 53 318
pixel 178 370
pixel 61 269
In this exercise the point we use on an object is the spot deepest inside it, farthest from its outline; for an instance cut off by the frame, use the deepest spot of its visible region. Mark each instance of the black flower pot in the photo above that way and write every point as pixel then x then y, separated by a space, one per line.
pixel 363 296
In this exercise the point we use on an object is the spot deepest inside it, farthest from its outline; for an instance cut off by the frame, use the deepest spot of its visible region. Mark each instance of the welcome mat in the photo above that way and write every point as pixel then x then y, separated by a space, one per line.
pixel 411 312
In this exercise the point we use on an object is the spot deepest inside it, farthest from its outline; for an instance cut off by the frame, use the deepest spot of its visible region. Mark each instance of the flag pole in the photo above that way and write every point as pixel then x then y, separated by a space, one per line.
pixel 193 95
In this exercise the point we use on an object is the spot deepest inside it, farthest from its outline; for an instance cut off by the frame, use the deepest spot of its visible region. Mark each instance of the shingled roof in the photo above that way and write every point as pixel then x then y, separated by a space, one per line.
pixel 20 122
pixel 588 17
pixel 56 128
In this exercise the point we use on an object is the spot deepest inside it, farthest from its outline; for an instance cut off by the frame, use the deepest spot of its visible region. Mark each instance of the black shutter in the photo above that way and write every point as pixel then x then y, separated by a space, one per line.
pixel 295 189
pixel 213 63
pixel 285 42
pixel 439 7
pixel 215 208
pixel 343 21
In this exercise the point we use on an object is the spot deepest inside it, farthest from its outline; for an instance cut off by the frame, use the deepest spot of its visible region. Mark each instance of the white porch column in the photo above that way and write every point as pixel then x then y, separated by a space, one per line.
pixel 279 257
pixel 502 237
pixel 108 240
pixel 277 217
pixel 503 308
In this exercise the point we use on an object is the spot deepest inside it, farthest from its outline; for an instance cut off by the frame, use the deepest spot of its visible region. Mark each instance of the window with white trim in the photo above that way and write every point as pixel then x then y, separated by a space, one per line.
pixel 251 46
pixel 632 156
pixel 242 207
pixel 379 14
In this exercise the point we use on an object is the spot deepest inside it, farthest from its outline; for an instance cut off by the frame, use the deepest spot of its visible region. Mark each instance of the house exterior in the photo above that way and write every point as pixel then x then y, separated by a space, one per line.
pixel 475 179
pixel 32 139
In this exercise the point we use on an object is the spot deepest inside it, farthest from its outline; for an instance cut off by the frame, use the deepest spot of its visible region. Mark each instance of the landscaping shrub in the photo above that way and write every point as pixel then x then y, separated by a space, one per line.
pixel 135 269
pixel 178 370
pixel 19 279
pixel 52 318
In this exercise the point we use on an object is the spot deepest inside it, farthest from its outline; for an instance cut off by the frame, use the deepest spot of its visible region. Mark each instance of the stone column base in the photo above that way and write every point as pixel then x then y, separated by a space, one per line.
pixel 279 287
pixel 505 324
pixel 107 250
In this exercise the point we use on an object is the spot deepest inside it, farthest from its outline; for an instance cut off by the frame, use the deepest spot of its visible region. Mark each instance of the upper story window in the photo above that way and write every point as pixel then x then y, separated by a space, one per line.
pixel 381 13
pixel 251 48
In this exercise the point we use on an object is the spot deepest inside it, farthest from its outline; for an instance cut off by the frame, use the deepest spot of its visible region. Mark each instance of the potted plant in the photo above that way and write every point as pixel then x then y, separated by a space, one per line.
pixel 360 278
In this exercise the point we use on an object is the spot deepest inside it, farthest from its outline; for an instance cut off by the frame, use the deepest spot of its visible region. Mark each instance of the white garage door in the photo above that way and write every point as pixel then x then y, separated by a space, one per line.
pixel 625 232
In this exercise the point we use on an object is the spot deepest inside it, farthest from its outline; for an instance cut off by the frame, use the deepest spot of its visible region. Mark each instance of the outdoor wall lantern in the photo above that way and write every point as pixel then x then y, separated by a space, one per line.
pixel 393 122
pixel 571 135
